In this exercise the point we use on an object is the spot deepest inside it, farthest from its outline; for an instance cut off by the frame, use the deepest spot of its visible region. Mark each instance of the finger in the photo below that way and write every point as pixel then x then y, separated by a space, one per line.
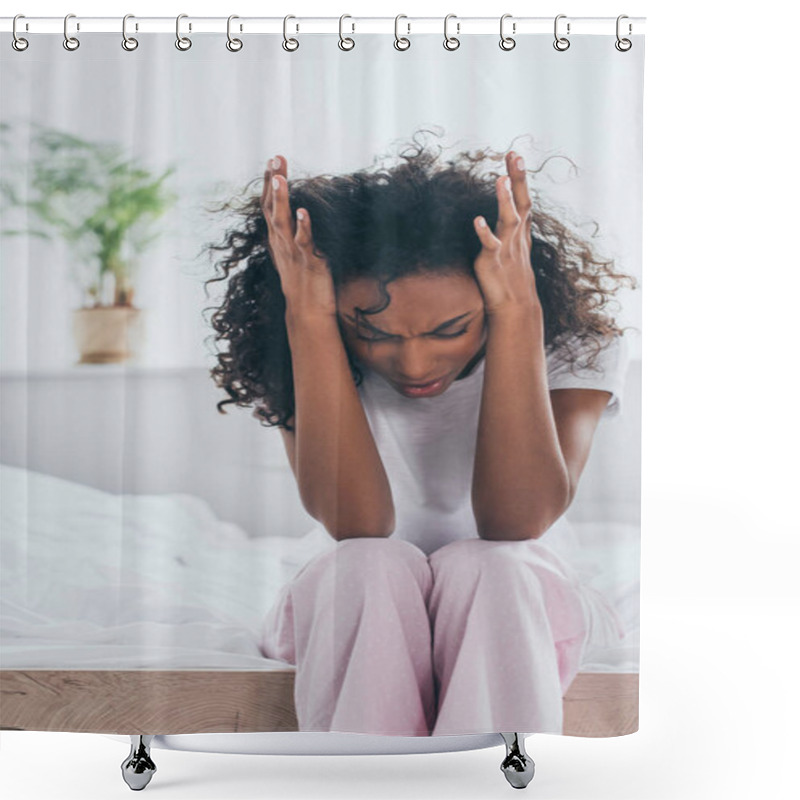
pixel 488 239
pixel 303 236
pixel 265 194
pixel 281 211
pixel 281 166
pixel 274 166
pixel 522 198
pixel 515 165
pixel 507 217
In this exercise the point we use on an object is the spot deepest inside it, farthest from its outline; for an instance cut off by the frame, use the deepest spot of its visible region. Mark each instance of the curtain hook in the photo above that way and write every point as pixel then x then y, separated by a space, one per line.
pixel 182 42
pixel 18 43
pixel 70 42
pixel 234 45
pixel 401 43
pixel 350 42
pixel 561 43
pixel 128 42
pixel 623 45
pixel 290 44
pixel 451 42
pixel 507 42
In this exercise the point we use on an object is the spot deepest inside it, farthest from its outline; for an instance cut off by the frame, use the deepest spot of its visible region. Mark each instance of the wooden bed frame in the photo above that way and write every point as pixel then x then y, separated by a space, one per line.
pixel 162 702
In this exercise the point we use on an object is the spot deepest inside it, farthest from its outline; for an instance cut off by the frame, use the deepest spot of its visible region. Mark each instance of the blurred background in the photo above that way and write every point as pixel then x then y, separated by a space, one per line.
pixel 110 167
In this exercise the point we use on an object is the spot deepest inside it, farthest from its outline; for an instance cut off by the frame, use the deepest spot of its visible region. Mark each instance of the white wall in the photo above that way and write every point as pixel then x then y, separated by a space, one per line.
pixel 146 431
pixel 218 117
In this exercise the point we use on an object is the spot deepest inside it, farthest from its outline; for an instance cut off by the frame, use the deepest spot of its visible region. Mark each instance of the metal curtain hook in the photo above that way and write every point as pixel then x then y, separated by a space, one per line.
pixel 234 45
pixel 506 42
pixel 401 43
pixel 451 42
pixel 182 42
pixel 346 43
pixel 290 44
pixel 128 42
pixel 623 45
pixel 70 42
pixel 18 43
pixel 561 43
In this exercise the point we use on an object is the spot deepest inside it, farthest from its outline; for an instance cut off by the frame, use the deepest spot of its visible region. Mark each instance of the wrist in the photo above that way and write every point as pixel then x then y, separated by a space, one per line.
pixel 302 311
pixel 517 312
pixel 518 322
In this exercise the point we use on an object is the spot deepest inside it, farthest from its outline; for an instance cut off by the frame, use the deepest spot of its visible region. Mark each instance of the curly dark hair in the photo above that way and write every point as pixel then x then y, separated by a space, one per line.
pixel 384 223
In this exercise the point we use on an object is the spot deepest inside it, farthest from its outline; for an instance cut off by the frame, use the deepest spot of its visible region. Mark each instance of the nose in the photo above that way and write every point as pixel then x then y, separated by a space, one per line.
pixel 414 363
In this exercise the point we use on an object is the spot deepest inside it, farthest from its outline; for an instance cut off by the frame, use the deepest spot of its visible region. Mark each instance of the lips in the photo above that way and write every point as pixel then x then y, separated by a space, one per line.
pixel 420 390
pixel 419 385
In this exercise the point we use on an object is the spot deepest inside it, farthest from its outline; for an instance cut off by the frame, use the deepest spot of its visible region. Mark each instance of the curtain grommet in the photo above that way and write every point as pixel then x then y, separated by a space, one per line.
pixel 18 42
pixel 623 45
pixel 345 42
pixel 507 42
pixel 401 42
pixel 561 43
pixel 128 43
pixel 182 42
pixel 70 43
pixel 289 44
pixel 234 45
pixel 451 42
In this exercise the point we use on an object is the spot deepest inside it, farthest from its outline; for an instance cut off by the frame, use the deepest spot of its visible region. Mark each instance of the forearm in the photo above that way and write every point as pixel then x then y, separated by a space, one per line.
pixel 520 483
pixel 341 478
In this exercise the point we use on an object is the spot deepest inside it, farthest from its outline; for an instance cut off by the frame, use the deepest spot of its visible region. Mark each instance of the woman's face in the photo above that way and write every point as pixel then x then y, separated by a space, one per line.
pixel 433 329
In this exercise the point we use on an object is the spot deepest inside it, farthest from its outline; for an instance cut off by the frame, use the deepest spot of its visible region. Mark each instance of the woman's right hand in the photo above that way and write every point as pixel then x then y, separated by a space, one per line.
pixel 306 279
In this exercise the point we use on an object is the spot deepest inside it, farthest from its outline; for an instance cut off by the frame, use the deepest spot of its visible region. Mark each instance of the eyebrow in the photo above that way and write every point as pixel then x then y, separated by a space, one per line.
pixel 374 328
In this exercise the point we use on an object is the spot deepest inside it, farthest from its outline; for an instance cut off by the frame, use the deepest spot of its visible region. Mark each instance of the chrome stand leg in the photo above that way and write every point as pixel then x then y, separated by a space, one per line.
pixel 517 766
pixel 138 768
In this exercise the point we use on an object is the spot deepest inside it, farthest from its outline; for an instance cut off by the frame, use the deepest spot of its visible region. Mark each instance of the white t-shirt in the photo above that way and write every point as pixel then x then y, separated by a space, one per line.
pixel 427 444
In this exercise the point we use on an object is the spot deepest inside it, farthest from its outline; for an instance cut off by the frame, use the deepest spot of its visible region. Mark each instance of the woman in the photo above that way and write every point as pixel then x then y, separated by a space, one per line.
pixel 414 333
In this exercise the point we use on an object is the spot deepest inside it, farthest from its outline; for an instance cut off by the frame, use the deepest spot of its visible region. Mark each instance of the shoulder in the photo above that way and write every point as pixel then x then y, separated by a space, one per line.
pixel 569 350
pixel 580 365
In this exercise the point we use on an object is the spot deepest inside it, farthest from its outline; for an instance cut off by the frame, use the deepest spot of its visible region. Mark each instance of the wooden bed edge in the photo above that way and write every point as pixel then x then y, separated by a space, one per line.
pixel 163 702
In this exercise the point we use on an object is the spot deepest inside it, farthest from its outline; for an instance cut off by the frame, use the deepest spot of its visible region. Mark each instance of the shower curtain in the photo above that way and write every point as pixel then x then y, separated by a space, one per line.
pixel 321 380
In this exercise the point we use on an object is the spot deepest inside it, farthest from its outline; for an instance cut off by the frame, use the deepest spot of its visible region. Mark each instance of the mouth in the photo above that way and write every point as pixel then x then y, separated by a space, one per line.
pixel 421 389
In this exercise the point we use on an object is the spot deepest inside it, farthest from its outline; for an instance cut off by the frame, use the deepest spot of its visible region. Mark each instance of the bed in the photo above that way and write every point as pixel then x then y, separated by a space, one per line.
pixel 159 626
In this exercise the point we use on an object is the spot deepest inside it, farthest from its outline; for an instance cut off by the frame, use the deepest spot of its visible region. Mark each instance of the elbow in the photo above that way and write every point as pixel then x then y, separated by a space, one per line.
pixel 347 519
pixel 569 488
pixel 361 528
pixel 534 524
pixel 565 495
pixel 562 495
pixel 511 533
pixel 508 530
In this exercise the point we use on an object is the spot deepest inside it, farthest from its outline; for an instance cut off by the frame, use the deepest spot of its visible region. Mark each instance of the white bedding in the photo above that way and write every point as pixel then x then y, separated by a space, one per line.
pixel 94 580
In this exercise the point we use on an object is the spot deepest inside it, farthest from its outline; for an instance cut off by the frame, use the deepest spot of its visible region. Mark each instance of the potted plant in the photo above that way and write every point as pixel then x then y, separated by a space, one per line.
pixel 103 206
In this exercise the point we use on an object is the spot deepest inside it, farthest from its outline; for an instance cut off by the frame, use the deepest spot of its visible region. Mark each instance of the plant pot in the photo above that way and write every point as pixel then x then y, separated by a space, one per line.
pixel 107 334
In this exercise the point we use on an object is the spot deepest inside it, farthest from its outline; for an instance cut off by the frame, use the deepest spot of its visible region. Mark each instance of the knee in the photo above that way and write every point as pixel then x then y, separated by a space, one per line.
pixel 379 558
pixel 378 549
pixel 475 556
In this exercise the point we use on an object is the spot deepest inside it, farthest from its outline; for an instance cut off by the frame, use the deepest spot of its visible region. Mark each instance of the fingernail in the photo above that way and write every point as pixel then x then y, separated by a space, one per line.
pixel 275 183
pixel 520 163
pixel 300 214
pixel 508 184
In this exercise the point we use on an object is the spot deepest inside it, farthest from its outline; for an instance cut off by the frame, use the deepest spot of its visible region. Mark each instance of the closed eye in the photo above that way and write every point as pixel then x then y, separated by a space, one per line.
pixel 438 335
pixel 452 335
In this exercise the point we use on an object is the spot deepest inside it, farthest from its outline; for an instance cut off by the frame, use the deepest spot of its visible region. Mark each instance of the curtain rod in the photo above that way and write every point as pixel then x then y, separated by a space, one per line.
pixel 407 25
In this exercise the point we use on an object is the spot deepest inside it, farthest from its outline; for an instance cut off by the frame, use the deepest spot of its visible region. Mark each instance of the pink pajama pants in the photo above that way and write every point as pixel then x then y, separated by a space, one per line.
pixel 480 636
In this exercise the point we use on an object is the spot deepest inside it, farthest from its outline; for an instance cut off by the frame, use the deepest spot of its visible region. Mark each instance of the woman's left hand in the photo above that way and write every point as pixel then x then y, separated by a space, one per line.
pixel 503 267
